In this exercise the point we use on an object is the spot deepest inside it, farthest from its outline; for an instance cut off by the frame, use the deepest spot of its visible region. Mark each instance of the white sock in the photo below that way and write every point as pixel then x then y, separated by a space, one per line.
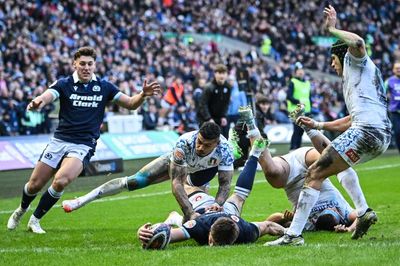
pixel 349 180
pixel 110 188
pixel 307 199
pixel 255 152
pixel 253 133
pixel 174 218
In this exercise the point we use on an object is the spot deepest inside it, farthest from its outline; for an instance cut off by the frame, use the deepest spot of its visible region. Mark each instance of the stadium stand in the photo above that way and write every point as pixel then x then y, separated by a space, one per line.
pixel 138 39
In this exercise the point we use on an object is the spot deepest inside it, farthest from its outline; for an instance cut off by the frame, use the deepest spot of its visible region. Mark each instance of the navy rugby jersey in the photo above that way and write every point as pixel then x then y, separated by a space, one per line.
pixel 82 108
pixel 199 228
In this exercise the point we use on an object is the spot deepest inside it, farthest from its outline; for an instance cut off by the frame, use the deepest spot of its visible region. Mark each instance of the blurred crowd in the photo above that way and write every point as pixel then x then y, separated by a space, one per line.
pixel 37 39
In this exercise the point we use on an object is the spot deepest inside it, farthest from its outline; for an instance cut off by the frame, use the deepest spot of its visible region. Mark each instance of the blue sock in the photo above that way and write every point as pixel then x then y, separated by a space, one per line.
pixel 245 181
pixel 48 199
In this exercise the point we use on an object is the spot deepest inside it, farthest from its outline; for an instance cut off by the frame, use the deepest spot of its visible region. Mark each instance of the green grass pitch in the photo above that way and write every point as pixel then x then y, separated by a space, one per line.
pixel 104 232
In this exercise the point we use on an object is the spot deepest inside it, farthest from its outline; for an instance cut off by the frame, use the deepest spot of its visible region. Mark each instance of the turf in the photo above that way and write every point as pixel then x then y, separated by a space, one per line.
pixel 104 233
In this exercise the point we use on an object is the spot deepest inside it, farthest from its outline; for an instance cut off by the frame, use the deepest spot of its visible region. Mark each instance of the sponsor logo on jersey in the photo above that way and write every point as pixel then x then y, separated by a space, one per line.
pixel 178 156
pixel 96 88
pixel 86 101
pixel 353 156
pixel 235 218
pixel 199 197
pixel 189 224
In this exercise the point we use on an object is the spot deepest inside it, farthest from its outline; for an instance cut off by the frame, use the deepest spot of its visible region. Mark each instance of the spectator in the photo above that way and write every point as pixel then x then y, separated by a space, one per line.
pixel 238 98
pixel 393 89
pixel 215 100
pixel 150 116
pixel 299 93
pixel 263 113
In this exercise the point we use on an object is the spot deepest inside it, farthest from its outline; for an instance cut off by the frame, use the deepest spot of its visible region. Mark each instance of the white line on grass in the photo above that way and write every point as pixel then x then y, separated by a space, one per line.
pixel 145 195
pixel 74 250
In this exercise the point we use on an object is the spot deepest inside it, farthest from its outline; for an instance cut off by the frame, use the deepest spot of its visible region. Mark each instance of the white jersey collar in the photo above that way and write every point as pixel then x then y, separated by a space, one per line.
pixel 76 78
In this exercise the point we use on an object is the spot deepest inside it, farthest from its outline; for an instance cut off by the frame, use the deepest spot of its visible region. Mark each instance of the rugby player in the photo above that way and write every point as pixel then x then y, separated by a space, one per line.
pixel 367 130
pixel 217 227
pixel 195 160
pixel 83 97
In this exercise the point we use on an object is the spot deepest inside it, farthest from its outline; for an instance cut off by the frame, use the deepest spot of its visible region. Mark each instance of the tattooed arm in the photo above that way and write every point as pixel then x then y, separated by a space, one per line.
pixel 356 43
pixel 224 180
pixel 178 174
pixel 319 141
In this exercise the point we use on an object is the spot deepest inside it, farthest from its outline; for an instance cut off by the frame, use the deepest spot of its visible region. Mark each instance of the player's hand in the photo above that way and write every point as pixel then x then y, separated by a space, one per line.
pixel 341 228
pixel 144 233
pixel 151 89
pixel 304 121
pixel 192 216
pixel 224 122
pixel 35 104
pixel 288 216
pixel 330 17
pixel 215 207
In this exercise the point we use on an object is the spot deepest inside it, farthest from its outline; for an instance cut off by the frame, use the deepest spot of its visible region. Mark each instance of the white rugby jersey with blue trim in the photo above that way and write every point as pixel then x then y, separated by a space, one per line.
pixel 364 93
pixel 184 153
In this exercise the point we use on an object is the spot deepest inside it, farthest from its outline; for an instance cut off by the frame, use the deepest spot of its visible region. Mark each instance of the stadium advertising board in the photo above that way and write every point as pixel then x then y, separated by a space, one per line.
pixel 31 146
pixel 11 158
pixel 145 144
pixel 282 133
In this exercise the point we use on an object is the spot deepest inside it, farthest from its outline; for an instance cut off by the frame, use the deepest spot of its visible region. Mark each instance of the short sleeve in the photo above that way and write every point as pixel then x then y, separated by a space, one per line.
pixel 226 163
pixel 178 153
pixel 55 88
pixel 114 92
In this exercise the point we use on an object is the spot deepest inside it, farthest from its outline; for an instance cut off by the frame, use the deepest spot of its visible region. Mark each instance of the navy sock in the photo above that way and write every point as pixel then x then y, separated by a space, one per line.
pixel 26 197
pixel 245 181
pixel 48 199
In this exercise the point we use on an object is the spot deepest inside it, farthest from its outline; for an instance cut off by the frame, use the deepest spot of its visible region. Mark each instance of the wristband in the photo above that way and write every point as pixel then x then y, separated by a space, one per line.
pixel 319 125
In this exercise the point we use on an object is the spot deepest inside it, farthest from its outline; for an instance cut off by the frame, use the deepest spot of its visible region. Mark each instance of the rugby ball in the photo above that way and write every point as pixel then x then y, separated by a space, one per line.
pixel 161 236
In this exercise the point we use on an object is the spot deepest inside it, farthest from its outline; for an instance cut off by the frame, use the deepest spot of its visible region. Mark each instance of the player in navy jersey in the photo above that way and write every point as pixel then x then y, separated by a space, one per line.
pixel 83 97
pixel 217 226
pixel 195 160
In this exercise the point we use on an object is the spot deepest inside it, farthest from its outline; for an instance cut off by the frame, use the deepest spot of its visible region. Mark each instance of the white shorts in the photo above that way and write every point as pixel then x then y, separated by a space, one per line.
pixel 361 144
pixel 201 200
pixel 57 149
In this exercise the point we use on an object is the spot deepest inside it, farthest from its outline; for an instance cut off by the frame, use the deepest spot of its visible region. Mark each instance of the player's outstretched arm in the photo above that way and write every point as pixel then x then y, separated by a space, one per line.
pixel 224 180
pixel 145 233
pixel 342 228
pixel 40 101
pixel 271 228
pixel 178 174
pixel 339 125
pixel 356 43
pixel 135 101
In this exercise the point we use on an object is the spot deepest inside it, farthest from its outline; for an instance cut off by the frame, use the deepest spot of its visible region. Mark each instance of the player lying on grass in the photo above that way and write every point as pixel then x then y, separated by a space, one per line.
pixel 289 171
pixel 195 159
pixel 220 226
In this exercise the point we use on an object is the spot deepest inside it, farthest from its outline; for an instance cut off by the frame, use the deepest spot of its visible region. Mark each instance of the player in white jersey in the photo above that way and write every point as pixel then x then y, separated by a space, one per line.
pixel 366 131
pixel 195 160
pixel 330 202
